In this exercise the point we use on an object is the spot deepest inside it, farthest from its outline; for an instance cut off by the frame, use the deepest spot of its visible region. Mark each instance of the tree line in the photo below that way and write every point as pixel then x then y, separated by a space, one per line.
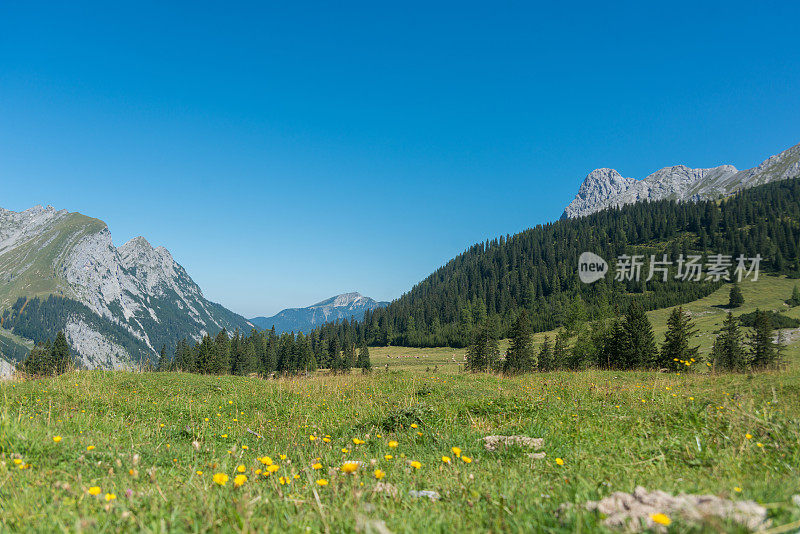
pixel 626 343
pixel 265 353
pixel 535 270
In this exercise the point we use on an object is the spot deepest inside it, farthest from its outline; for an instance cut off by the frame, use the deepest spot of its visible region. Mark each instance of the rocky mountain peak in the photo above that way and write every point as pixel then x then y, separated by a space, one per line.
pixel 604 188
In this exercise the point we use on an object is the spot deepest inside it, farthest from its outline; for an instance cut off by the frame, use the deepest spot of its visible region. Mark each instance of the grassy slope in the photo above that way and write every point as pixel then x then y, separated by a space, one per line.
pixel 38 279
pixel 614 431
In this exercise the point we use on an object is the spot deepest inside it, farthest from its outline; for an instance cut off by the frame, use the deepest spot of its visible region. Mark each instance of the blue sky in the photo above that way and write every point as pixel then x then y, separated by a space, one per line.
pixel 286 152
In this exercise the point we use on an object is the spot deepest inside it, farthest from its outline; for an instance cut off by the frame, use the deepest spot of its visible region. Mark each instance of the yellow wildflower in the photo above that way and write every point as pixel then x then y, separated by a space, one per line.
pixel 661 519
pixel 322 482
pixel 221 478
pixel 239 480
pixel 379 474
pixel 94 490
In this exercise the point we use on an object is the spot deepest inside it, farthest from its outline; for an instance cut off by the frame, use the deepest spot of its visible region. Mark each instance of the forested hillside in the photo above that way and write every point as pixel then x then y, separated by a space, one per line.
pixel 537 269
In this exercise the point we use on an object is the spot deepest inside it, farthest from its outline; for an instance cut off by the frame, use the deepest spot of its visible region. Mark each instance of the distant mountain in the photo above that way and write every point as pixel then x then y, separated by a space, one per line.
pixel 604 188
pixel 117 306
pixel 344 306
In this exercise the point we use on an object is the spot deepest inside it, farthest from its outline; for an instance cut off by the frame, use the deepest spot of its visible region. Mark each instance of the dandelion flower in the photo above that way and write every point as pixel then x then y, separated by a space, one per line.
pixel 661 519
pixel 241 469
pixel 317 466
pixel 312 438
pixel 388 457
pixel 393 444
pixel 446 459
pixel 239 480
pixel 737 489
pixel 748 436
pixel 221 478
pixel 272 468
pixel 413 425
pixel 379 474
pixel 350 467
pixel 326 440
pixel 559 461
pixel 456 451
pixel 90 448
pixel 284 481
pixel 110 496
pixel 199 472
pixel 57 439
pixel 322 482
pixel 344 450
pixel 94 490
pixel 466 459
pixel 17 461
pixel 415 464
pixel 759 444
pixel 266 460
pixel 282 456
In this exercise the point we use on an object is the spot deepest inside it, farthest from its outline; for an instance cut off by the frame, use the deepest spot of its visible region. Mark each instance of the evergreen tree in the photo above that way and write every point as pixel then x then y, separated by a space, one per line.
pixel 521 357
pixel 561 349
pixel 794 300
pixel 615 347
pixel 334 359
pixel 544 362
pixel 222 354
pixel 60 355
pixel 348 357
pixel 764 350
pixel 728 353
pixel 163 359
pixel 676 354
pixel 639 342
pixel 364 361
pixel 735 298
pixel 484 354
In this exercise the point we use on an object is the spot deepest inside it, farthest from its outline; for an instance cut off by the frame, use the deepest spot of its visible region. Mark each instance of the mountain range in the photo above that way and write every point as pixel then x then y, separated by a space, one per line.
pixel 116 305
pixel 344 306
pixel 605 188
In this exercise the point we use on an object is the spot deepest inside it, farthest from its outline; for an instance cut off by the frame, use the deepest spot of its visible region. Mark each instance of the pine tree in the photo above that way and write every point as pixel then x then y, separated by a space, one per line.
pixel 544 362
pixel 794 300
pixel 222 356
pixel 639 342
pixel 764 350
pixel 521 357
pixel 615 346
pixel 561 349
pixel 60 355
pixel 735 297
pixel 483 354
pixel 334 359
pixel 163 362
pixel 728 353
pixel 676 354
pixel 364 361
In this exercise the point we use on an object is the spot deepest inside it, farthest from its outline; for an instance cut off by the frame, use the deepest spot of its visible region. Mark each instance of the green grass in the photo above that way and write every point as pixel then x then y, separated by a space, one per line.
pixel 614 431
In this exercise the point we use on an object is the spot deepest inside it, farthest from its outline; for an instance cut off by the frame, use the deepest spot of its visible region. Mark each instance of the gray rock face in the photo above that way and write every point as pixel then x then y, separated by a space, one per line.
pixel 605 188
pixel 140 290
pixel 344 306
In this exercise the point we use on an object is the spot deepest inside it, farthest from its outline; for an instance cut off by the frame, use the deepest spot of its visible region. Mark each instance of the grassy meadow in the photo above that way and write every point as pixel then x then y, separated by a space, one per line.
pixel 115 451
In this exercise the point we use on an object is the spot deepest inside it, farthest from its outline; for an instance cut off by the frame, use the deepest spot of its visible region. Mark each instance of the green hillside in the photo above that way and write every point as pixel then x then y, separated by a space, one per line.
pixel 34 264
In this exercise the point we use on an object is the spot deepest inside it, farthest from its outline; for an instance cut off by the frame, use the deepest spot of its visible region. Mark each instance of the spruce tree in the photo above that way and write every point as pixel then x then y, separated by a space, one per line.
pixel 163 363
pixel 794 300
pixel 614 353
pixel 728 353
pixel 764 350
pixel 561 349
pixel 639 342
pixel 735 297
pixel 364 362
pixel 676 354
pixel 544 362
pixel 61 359
pixel 521 357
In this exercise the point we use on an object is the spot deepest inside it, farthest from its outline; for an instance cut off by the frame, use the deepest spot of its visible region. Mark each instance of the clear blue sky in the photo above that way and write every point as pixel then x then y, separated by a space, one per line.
pixel 288 151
